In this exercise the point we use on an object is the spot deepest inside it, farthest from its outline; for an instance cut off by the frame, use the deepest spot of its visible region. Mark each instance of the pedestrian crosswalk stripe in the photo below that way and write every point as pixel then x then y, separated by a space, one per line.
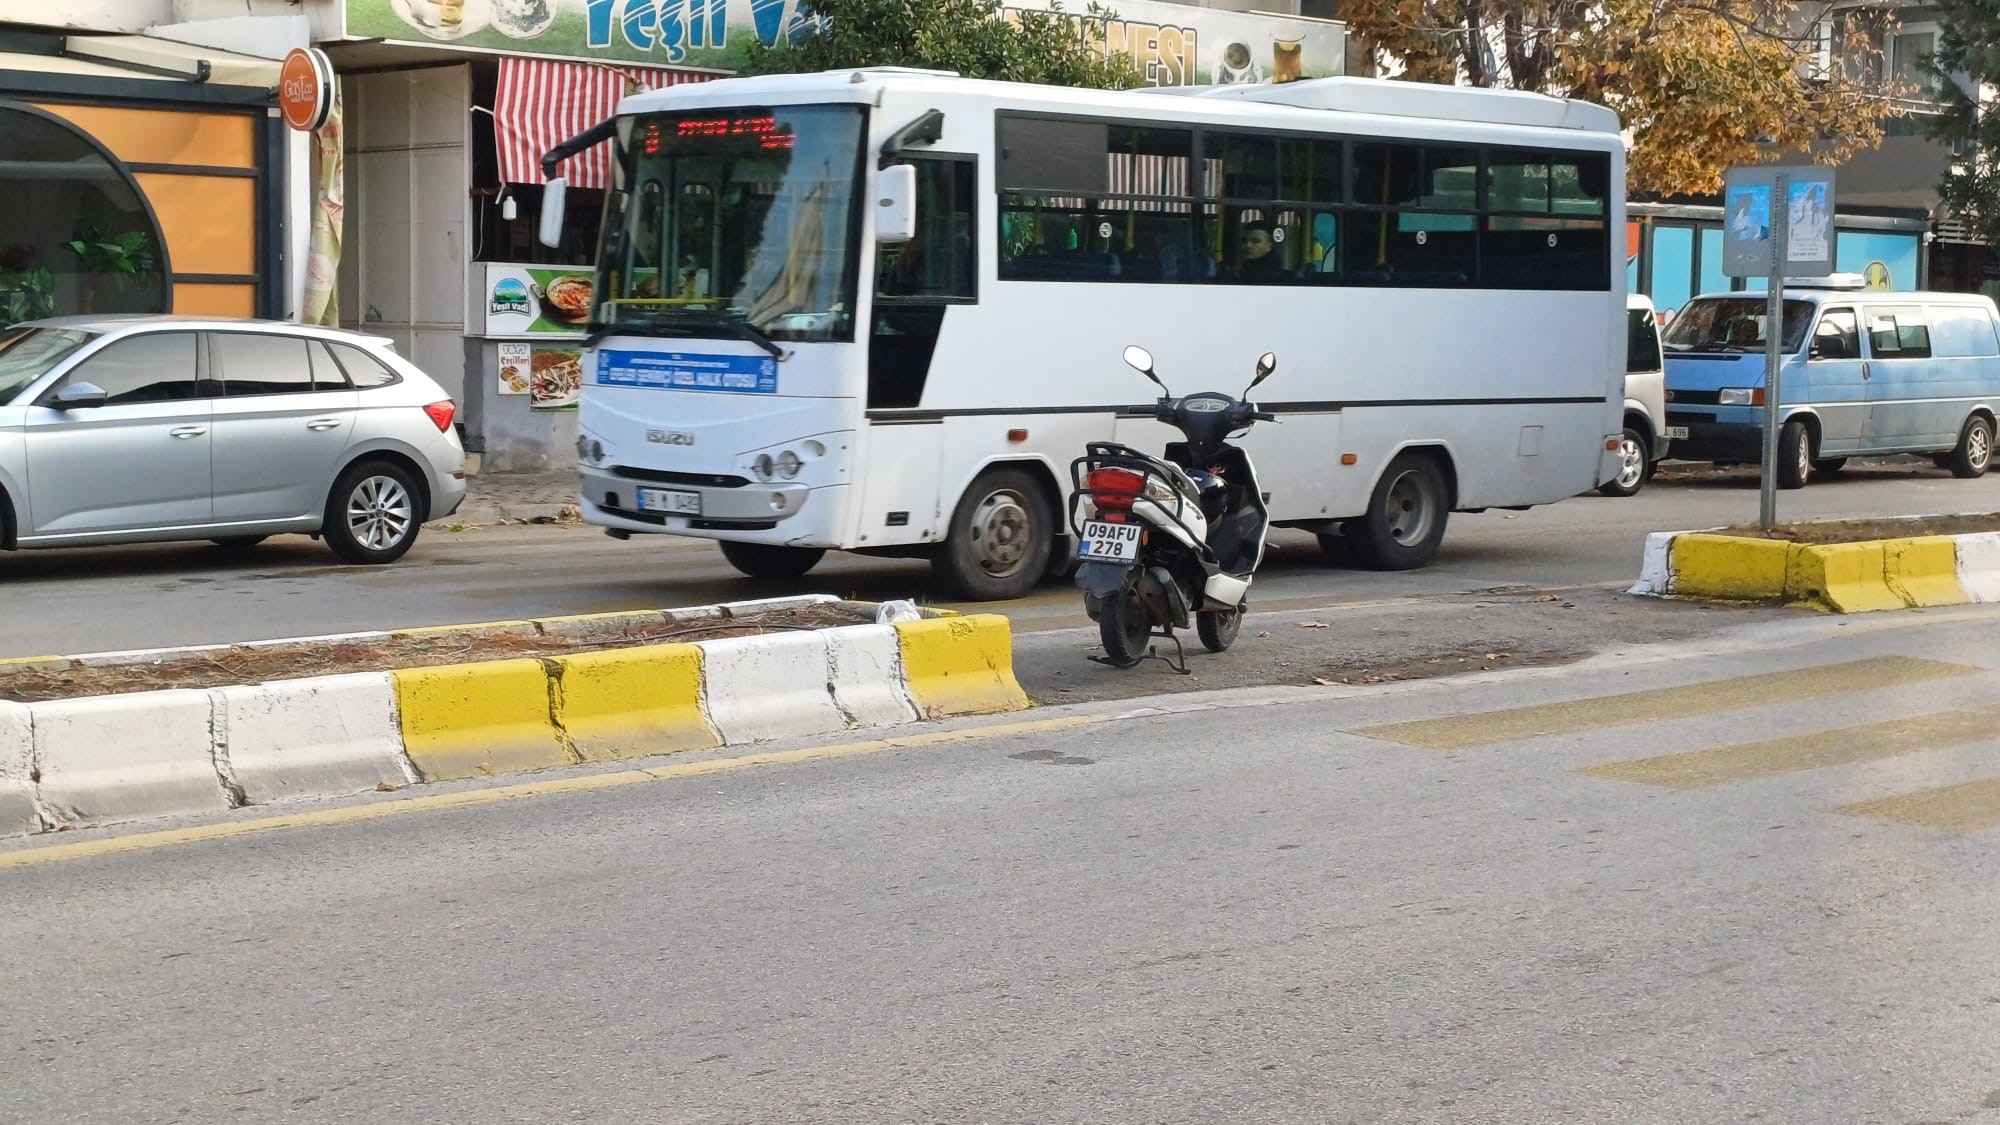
pixel 1487 728
pixel 1699 769
pixel 1968 807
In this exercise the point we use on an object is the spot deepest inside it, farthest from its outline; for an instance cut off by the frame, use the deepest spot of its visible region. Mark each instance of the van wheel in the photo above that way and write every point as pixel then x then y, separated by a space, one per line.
pixel 1633 467
pixel 1000 538
pixel 766 560
pixel 1794 455
pixel 1975 449
pixel 1406 516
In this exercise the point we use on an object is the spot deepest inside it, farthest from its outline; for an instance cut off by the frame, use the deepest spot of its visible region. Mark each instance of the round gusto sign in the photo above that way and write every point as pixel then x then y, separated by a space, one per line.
pixel 305 88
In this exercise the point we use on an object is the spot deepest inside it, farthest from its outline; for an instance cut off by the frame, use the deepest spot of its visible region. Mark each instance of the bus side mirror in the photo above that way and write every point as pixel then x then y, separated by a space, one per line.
pixel 550 230
pixel 896 204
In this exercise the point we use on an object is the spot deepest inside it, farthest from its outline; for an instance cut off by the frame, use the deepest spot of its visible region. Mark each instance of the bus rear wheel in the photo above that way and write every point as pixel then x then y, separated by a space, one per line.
pixel 1406 516
pixel 764 560
pixel 1000 538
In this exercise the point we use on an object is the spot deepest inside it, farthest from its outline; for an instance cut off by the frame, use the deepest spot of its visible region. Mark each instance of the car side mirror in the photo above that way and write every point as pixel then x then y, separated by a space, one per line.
pixel 550 230
pixel 896 203
pixel 79 396
pixel 1829 347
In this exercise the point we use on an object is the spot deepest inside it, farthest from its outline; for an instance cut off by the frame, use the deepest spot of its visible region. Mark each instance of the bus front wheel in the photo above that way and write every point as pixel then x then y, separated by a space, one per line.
pixel 763 560
pixel 1000 538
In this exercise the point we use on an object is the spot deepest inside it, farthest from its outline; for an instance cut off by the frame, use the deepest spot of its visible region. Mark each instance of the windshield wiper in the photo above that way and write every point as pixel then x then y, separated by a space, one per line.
pixel 741 325
pixel 634 328
pixel 735 324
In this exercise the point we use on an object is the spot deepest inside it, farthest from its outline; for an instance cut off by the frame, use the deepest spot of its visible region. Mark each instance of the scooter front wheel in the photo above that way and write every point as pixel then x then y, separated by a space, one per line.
pixel 1124 626
pixel 1218 627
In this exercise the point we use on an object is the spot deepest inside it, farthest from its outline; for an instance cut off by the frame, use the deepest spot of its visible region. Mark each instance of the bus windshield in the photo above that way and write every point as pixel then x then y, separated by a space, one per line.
pixel 739 219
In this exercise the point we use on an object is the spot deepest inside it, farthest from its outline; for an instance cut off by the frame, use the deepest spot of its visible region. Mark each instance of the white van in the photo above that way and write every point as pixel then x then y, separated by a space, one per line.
pixel 1646 434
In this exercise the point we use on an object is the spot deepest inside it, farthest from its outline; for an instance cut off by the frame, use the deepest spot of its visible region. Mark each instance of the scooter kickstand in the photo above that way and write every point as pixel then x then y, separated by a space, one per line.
pixel 1178 662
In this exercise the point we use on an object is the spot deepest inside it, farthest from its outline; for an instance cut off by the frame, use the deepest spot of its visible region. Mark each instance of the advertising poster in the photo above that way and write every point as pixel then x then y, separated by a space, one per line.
pixel 707 34
pixel 555 378
pixel 1182 45
pixel 1173 44
pixel 1810 214
pixel 536 300
pixel 516 367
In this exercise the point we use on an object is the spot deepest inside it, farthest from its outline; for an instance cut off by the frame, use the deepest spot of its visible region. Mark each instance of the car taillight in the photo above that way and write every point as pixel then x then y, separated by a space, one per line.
pixel 442 413
pixel 1113 490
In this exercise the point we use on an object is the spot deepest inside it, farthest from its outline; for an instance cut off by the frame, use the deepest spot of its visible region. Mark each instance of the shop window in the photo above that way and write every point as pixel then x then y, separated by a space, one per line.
pixel 76 235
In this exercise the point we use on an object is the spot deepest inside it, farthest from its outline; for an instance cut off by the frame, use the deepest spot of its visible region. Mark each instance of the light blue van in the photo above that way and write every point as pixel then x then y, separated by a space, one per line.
pixel 1864 373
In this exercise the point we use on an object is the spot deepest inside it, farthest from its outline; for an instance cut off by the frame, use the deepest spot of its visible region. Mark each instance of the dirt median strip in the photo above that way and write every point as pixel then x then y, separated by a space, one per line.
pixel 249 664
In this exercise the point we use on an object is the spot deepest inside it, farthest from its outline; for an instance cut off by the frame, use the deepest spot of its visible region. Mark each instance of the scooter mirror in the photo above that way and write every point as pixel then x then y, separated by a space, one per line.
pixel 1266 363
pixel 1140 360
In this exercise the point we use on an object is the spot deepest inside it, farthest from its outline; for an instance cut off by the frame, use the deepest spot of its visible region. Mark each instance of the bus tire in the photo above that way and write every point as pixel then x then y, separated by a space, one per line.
pixel 765 560
pixel 1406 516
pixel 1000 538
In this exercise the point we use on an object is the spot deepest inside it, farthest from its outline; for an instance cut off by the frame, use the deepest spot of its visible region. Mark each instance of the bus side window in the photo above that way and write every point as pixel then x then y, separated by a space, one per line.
pixel 938 264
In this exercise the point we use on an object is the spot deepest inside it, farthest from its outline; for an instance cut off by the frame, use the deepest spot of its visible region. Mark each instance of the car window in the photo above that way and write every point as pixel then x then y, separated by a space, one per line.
pixel 155 367
pixel 327 375
pixel 363 370
pixel 1642 341
pixel 1841 325
pixel 1899 333
pixel 255 363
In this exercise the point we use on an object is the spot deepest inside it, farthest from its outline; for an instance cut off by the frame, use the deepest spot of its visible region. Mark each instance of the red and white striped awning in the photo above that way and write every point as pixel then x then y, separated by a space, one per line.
pixel 541 103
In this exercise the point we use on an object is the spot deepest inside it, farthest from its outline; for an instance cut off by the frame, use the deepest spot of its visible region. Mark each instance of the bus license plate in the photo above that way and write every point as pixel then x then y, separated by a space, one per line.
pixel 1674 433
pixel 1109 542
pixel 670 501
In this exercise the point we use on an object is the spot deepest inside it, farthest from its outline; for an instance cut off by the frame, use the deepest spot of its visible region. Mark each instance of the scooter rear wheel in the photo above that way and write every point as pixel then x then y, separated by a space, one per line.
pixel 1218 627
pixel 1123 625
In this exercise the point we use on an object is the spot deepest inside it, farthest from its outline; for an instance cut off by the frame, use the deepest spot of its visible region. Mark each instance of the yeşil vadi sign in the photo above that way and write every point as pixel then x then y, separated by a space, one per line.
pixel 1173 44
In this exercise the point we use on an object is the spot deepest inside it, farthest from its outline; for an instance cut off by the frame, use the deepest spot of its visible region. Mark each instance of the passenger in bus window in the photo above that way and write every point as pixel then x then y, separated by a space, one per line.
pixel 1260 260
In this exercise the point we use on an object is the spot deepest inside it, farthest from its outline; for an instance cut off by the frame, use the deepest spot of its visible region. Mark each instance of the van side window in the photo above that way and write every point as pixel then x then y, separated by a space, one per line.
pixel 1899 333
pixel 1838 336
pixel 1963 330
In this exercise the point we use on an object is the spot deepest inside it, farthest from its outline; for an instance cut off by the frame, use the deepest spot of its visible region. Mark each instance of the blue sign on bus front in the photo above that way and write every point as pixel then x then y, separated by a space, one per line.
pixel 686 371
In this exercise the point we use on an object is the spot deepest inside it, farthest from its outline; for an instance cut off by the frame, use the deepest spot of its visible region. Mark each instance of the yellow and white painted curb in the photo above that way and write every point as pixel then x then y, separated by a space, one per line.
pixel 104 759
pixel 1908 573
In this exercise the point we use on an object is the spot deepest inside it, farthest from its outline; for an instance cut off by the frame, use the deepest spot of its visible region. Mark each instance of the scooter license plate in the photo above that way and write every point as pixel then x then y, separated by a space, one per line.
pixel 1108 542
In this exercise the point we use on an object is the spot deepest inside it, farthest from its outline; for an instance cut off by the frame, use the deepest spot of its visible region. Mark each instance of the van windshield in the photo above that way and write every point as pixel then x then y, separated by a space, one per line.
pixel 1734 324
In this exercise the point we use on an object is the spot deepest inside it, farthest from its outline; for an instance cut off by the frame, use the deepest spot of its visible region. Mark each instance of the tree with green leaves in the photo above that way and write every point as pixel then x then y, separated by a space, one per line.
pixel 1968 58
pixel 971 37
pixel 1701 84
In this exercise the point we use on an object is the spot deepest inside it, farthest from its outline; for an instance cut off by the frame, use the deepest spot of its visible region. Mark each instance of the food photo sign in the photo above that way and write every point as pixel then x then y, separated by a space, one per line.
pixel 536 300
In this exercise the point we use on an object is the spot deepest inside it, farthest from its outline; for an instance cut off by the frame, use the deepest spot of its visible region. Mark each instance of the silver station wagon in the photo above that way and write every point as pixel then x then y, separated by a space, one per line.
pixel 151 429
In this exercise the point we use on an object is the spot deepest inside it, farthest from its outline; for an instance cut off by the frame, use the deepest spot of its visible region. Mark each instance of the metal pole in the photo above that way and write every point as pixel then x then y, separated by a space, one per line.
pixel 1774 332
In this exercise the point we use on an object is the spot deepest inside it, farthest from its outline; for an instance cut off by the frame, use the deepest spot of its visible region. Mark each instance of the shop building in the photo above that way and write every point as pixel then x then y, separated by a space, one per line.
pixel 144 173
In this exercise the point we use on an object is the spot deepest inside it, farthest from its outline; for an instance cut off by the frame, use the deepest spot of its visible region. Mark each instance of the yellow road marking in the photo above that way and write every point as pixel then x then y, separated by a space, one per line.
pixel 34 856
pixel 1847 746
pixel 1969 807
pixel 1458 732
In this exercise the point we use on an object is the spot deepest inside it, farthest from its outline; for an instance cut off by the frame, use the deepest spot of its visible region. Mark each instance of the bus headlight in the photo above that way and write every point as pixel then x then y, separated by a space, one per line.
pixel 789 464
pixel 761 466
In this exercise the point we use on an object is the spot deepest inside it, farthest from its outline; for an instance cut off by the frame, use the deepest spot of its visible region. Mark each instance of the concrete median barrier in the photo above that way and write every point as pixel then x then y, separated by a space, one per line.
pixel 1863 577
pixel 322 737
pixel 97 760
pixel 117 757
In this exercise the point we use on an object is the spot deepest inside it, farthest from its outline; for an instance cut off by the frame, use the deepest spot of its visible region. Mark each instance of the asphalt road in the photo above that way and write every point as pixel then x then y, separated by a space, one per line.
pixel 1508 588
pixel 1404 902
